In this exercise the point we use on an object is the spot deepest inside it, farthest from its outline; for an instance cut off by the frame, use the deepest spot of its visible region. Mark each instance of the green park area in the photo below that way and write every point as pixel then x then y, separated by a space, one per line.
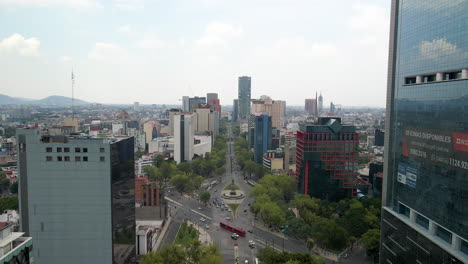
pixel 187 235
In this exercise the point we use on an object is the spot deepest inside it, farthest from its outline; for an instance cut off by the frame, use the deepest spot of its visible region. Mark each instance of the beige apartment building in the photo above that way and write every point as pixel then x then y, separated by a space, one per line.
pixel 274 108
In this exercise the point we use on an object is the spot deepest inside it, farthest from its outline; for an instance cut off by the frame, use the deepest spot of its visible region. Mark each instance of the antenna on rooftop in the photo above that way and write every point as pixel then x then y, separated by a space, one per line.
pixel 73 94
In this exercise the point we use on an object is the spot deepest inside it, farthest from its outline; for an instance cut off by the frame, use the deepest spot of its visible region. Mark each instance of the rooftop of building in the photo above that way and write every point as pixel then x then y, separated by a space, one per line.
pixel 46 137
pixel 326 125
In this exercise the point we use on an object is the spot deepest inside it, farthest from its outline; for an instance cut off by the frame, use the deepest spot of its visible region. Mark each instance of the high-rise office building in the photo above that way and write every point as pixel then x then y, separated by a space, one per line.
pixel 195 101
pixel 311 107
pixel 262 137
pixel 244 97
pixel 379 137
pixel 210 96
pixel 185 104
pixel 206 120
pixel 136 106
pixel 425 193
pixel 183 137
pixel 235 110
pixel 274 108
pixel 326 159
pixel 320 103
pixel 76 197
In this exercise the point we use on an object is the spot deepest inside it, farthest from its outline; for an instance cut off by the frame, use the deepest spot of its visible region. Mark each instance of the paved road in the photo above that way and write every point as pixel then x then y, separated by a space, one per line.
pixel 186 208
pixel 170 233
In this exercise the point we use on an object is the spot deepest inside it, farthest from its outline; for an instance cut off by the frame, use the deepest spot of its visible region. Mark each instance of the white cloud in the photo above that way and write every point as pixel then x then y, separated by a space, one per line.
pixel 130 5
pixel 107 52
pixel 64 59
pixel 223 30
pixel 370 18
pixel 81 4
pixel 18 44
pixel 125 29
pixel 217 36
pixel 150 42
pixel 437 48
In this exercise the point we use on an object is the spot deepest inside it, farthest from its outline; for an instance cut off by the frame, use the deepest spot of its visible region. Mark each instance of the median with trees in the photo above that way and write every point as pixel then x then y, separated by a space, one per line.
pixel 185 249
pixel 332 226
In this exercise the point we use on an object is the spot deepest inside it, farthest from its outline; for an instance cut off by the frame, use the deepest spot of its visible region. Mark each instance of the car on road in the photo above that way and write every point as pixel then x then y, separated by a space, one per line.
pixel 234 236
pixel 199 208
pixel 251 244
pixel 229 210
pixel 202 219
pixel 217 206
pixel 250 231
pixel 228 218
pixel 207 226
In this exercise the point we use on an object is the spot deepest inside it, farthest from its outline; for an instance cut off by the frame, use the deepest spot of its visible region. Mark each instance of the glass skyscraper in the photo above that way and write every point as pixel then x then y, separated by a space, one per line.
pixel 425 194
pixel 262 137
pixel 244 97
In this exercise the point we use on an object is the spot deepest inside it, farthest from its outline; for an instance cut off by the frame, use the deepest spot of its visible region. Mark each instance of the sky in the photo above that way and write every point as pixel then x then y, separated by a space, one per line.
pixel 156 51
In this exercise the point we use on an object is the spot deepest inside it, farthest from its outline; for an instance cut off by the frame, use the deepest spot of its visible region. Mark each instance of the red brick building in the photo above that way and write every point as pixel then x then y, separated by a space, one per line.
pixel 146 192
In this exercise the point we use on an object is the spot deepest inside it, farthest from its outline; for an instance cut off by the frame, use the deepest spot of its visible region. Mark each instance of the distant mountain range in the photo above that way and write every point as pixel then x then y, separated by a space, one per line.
pixel 53 100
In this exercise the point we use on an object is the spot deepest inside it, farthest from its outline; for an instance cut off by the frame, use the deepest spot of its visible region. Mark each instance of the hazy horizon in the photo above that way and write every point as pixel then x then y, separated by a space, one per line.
pixel 123 51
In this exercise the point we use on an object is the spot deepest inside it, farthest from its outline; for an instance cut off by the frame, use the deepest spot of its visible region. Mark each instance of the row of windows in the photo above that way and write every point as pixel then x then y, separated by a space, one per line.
pixel 77 150
pixel 446 76
pixel 440 232
pixel 77 158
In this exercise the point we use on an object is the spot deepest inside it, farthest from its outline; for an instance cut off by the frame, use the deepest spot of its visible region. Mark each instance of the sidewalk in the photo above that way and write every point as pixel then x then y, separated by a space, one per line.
pixel 163 232
pixel 261 225
pixel 204 237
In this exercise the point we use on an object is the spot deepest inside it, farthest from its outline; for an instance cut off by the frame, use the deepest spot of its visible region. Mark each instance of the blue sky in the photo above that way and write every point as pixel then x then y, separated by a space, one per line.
pixel 156 51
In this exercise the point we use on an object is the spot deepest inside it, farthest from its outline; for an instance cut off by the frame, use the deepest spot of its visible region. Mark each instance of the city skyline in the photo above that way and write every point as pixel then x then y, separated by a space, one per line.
pixel 157 46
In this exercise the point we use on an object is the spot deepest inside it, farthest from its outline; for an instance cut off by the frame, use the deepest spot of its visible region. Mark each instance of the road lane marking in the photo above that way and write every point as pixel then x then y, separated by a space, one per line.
pixel 170 200
pixel 207 217
pixel 265 245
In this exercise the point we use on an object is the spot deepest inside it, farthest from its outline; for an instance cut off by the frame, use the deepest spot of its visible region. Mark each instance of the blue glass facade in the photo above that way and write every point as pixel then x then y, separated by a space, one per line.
pixel 262 137
pixel 427 130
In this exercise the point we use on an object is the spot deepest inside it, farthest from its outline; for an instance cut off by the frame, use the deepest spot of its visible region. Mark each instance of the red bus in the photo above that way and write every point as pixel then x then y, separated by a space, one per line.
pixel 240 232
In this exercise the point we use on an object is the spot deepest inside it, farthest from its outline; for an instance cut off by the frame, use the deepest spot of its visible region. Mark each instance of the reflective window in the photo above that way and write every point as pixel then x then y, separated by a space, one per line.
pixel 429 124
pixel 422 221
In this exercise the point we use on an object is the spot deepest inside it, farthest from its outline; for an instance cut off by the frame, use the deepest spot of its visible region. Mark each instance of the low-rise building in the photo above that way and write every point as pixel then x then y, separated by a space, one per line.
pixel 14 247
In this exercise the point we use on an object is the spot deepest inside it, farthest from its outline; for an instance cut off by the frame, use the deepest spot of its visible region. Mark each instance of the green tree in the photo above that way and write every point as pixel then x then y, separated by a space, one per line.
pixel 329 234
pixel 139 154
pixel 220 170
pixel 357 220
pixel 158 160
pixel 180 182
pixel 14 188
pixel 169 254
pixel 371 241
pixel 205 196
pixel 8 203
pixel 162 176
pixel 272 214
pixel 310 245
pixel 271 256
pixel 4 181
pixel 298 228
pixel 185 167
pixel 211 255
